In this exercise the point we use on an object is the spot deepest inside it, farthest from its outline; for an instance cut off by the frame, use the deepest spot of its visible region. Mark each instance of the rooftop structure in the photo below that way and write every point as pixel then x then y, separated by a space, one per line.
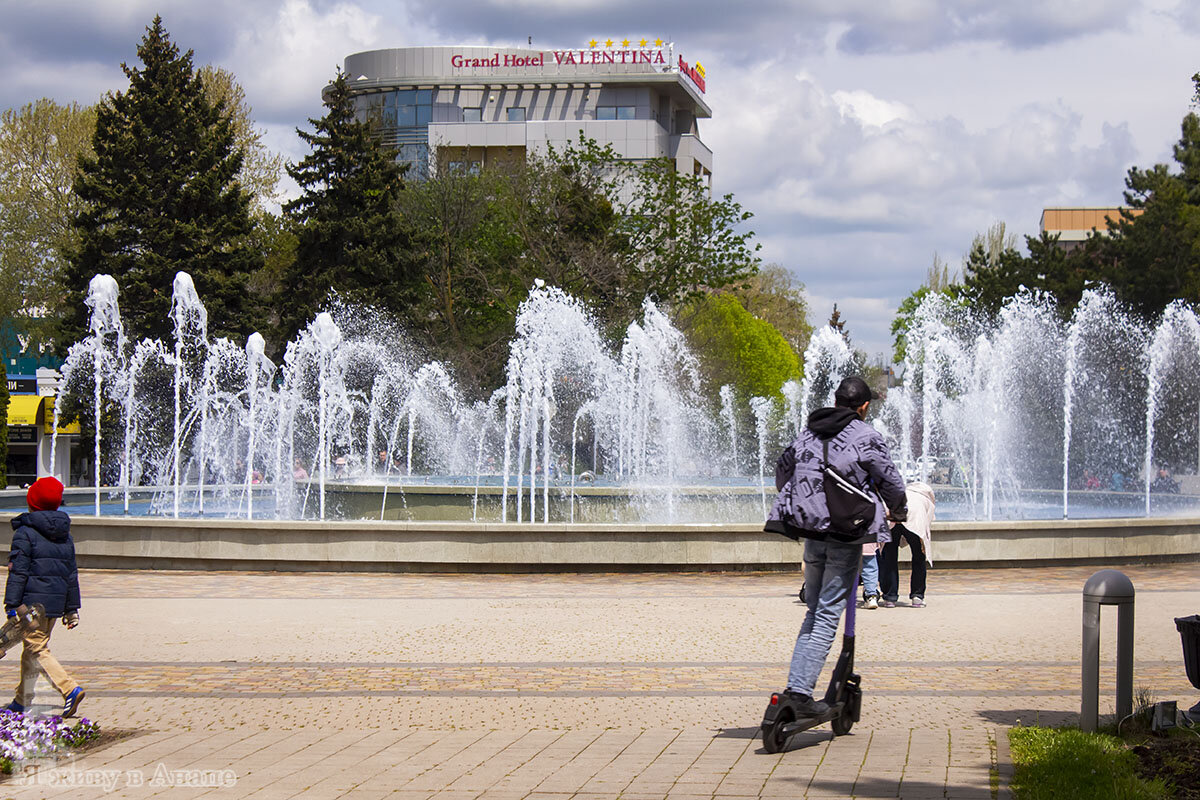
pixel 1074 224
pixel 474 107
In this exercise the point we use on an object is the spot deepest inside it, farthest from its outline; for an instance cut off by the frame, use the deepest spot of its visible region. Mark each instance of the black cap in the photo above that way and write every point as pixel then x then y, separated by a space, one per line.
pixel 853 392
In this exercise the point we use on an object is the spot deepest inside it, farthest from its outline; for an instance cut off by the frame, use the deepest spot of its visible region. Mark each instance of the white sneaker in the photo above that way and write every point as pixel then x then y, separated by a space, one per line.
pixel 872 601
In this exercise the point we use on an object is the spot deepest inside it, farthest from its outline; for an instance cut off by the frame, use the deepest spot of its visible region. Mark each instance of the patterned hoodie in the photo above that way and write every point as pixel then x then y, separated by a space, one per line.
pixel 857 451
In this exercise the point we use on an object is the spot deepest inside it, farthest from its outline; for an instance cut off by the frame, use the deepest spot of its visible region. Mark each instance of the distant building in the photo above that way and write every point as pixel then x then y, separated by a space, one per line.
pixel 471 108
pixel 32 374
pixel 1075 224
pixel 31 432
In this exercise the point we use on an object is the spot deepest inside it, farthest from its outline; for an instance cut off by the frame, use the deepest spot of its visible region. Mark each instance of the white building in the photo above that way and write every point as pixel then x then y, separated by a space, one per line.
pixel 476 106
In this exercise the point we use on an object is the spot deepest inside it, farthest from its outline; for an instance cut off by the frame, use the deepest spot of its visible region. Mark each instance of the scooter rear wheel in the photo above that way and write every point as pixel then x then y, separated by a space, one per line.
pixel 772 735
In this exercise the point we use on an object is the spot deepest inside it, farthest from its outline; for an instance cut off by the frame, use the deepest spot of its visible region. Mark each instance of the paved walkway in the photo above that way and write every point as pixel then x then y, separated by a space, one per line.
pixel 565 686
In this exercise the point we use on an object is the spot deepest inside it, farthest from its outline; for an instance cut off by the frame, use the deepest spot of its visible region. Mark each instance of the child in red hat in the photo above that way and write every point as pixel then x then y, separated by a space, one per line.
pixel 41 569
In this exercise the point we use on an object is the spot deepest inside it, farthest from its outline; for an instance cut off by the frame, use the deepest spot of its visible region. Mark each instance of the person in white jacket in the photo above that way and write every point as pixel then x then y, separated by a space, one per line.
pixel 914 532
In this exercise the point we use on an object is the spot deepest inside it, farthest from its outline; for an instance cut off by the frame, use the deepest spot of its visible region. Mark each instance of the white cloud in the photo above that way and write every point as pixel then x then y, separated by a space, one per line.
pixel 864 136
pixel 284 59
pixel 869 109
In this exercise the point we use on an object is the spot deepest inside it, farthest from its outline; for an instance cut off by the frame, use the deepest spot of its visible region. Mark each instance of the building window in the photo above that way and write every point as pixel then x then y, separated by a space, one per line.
pixel 616 112
pixel 472 115
pixel 465 167
pixel 516 114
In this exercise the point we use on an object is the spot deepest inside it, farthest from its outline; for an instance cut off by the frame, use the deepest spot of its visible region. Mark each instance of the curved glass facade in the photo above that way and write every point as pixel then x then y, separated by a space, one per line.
pixel 403 116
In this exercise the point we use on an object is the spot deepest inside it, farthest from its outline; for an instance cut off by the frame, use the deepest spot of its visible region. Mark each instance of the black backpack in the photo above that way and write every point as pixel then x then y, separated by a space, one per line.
pixel 851 510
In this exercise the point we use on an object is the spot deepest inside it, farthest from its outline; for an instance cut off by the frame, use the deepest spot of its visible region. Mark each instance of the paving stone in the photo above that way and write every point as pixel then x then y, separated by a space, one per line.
pixel 526 686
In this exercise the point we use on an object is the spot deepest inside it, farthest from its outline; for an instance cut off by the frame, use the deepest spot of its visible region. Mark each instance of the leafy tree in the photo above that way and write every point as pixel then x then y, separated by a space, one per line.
pixel 938 280
pixel 903 321
pixel 261 168
pixel 351 235
pixel 40 147
pixel 735 347
pixel 565 217
pixel 561 205
pixel 682 241
pixel 775 296
pixel 273 237
pixel 161 195
pixel 470 260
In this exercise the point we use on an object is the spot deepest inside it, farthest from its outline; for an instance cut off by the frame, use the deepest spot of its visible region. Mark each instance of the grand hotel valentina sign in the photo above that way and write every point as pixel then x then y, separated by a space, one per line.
pixel 654 55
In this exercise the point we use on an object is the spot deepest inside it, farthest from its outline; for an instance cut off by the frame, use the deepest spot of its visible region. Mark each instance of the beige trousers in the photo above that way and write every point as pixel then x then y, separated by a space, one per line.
pixel 35 658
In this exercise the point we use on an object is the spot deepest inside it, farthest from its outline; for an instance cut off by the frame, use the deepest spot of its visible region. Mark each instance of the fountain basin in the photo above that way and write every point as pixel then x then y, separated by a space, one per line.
pixel 157 543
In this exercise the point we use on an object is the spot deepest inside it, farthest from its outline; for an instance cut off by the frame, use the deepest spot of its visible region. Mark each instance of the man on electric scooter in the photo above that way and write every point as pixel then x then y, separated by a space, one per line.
pixel 835 440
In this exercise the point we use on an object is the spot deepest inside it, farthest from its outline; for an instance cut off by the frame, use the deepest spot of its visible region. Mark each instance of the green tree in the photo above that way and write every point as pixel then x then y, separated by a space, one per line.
pixel 774 295
pixel 903 321
pixel 40 147
pixel 261 168
pixel 470 261
pixel 562 207
pixel 993 269
pixel 161 195
pixel 735 347
pixel 351 235
pixel 682 241
pixel 1152 255
pixel 939 279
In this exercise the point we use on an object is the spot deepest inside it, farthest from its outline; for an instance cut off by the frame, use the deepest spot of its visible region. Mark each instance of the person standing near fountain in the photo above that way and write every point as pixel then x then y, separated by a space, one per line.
pixel 915 532
pixel 41 569
pixel 836 438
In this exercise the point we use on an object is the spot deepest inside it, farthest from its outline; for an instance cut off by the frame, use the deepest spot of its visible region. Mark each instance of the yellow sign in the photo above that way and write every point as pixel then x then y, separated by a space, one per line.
pixel 24 409
pixel 63 425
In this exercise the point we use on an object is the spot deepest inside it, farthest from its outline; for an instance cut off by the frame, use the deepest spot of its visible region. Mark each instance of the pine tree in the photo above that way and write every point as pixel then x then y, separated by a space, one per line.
pixel 161 195
pixel 352 238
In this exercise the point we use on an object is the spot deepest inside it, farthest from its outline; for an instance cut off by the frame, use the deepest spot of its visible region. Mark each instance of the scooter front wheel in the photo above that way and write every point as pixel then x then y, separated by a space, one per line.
pixel 843 722
pixel 851 708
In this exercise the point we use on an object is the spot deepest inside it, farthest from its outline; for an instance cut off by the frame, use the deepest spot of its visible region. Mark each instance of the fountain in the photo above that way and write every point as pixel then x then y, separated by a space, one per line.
pixel 1003 417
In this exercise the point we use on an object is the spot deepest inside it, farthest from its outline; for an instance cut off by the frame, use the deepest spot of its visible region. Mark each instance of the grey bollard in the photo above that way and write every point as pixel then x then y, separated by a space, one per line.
pixel 1108 587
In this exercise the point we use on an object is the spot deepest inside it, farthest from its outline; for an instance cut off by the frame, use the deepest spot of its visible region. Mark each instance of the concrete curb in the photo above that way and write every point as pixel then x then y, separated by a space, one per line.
pixel 158 543
pixel 1004 765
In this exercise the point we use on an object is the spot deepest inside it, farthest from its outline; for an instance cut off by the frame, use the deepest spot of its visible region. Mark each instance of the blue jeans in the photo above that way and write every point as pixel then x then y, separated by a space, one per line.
pixel 830 578
pixel 870 574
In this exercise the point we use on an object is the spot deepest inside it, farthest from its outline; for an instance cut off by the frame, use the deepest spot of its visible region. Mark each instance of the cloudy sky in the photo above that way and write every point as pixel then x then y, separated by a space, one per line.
pixel 865 136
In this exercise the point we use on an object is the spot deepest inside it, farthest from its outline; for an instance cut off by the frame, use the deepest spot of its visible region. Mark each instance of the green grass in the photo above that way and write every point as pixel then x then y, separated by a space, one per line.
pixel 1064 763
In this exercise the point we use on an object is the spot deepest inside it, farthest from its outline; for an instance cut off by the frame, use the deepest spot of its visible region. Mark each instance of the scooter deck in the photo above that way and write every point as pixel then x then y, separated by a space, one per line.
pixel 804 723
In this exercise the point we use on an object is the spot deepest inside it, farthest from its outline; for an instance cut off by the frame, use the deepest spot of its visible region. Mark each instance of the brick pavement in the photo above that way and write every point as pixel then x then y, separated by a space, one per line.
pixel 566 686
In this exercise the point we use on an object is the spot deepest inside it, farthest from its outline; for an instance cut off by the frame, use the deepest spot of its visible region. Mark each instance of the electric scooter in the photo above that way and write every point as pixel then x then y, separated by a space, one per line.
pixel 844 696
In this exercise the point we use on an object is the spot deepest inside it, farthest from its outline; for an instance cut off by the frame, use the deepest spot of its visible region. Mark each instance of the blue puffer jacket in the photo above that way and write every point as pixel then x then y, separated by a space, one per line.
pixel 856 450
pixel 41 564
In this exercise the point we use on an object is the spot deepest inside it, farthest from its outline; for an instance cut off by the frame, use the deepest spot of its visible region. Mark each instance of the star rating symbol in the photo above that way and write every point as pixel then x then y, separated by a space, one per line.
pixel 608 43
pixel 658 42
pixel 592 43
pixel 643 42
pixel 624 43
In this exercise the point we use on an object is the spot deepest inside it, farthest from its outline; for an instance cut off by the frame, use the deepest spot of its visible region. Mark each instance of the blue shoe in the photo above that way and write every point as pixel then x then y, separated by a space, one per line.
pixel 15 707
pixel 72 701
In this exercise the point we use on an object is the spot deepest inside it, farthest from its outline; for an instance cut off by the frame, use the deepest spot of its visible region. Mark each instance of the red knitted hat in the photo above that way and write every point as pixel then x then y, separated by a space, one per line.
pixel 45 494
